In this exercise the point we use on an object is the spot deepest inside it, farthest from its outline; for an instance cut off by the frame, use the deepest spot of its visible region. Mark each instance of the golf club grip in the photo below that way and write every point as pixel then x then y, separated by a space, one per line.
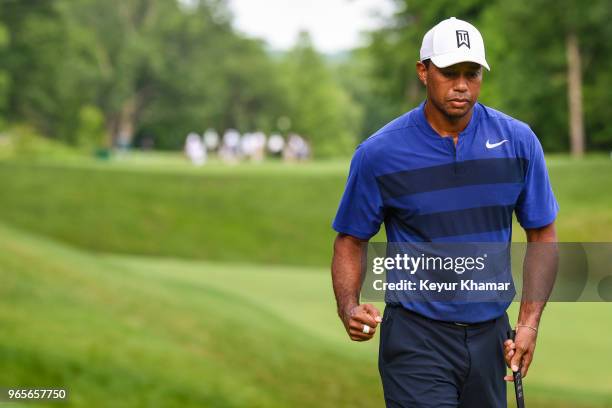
pixel 518 380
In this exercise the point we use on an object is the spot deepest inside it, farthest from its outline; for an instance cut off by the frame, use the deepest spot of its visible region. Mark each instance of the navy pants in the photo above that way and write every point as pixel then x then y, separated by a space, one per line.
pixel 427 363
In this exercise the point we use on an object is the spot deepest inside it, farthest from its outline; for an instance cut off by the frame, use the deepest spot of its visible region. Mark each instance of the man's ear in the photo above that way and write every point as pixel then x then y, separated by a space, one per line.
pixel 421 72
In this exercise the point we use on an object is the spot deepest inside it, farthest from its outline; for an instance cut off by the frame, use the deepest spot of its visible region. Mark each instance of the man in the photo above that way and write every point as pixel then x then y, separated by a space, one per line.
pixel 451 170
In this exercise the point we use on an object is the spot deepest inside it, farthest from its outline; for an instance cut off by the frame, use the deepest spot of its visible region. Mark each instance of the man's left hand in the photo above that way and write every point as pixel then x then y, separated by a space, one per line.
pixel 519 353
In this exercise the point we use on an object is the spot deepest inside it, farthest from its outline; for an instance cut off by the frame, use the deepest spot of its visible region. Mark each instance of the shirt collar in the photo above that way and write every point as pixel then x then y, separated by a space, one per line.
pixel 423 124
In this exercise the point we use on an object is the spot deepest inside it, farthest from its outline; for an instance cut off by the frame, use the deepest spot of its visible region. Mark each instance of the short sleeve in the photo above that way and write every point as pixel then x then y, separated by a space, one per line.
pixel 536 206
pixel 360 212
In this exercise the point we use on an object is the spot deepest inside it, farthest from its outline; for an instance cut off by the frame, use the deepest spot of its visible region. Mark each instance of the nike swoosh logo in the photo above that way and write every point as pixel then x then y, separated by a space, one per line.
pixel 492 145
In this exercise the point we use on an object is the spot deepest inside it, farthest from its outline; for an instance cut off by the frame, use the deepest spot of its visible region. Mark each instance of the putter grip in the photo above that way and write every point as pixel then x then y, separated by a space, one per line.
pixel 518 379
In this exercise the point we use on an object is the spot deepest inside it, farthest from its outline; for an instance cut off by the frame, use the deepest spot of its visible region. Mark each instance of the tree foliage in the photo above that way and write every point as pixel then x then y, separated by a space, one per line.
pixel 319 108
pixel 92 72
pixel 526 48
pixel 162 68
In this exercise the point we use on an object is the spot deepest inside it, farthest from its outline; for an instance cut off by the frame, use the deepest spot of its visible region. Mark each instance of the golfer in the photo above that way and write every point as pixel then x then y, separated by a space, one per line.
pixel 450 170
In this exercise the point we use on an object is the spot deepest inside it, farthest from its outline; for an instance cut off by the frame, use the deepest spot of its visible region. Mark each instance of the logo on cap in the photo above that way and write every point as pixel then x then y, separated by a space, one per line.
pixel 463 38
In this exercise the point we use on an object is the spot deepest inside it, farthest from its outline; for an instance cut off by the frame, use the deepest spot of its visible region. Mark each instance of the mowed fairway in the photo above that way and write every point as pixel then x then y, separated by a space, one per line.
pixel 134 331
pixel 118 335
pixel 221 320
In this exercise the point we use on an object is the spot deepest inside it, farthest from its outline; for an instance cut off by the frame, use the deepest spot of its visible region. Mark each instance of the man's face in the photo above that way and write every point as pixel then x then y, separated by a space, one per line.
pixel 452 90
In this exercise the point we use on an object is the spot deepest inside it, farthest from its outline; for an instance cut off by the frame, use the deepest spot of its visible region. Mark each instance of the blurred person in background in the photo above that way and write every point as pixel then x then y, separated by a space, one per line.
pixel 296 148
pixel 230 147
pixel 195 149
pixel 259 146
pixel 211 140
pixel 275 145
pixel 247 145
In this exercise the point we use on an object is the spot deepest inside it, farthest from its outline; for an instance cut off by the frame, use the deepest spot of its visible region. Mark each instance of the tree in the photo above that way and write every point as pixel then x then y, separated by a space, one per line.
pixel 117 44
pixel 212 77
pixel 149 66
pixel 33 60
pixel 319 108
pixel 4 77
pixel 542 70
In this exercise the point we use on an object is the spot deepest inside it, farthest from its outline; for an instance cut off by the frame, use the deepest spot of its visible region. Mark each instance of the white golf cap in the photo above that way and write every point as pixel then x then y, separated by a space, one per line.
pixel 453 41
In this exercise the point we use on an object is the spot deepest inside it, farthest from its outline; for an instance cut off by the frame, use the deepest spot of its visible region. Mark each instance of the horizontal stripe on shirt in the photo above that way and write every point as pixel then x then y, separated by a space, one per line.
pixel 457 222
pixel 452 175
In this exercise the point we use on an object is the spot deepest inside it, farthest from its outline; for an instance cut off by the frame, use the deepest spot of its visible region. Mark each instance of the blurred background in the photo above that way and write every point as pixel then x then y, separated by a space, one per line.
pixel 169 171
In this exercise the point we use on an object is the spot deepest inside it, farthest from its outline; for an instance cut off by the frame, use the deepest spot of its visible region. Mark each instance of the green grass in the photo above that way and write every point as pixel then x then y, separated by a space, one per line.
pixel 115 334
pixel 166 320
pixel 128 331
pixel 25 143
pixel 268 213
pixel 274 217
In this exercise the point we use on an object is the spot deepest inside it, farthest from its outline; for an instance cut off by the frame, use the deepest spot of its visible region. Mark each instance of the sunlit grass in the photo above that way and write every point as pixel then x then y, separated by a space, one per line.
pixel 127 331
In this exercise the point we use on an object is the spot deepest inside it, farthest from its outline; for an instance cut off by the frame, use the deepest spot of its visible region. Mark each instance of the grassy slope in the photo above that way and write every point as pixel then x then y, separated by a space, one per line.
pixel 310 297
pixel 137 331
pixel 118 336
pixel 145 331
pixel 279 217
pixel 271 213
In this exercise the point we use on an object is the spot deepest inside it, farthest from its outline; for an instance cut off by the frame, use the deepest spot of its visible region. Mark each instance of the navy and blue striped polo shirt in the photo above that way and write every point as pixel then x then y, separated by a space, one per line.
pixel 426 189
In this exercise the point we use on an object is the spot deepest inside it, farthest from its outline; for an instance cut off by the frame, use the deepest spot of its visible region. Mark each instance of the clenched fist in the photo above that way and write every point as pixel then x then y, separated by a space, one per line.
pixel 357 317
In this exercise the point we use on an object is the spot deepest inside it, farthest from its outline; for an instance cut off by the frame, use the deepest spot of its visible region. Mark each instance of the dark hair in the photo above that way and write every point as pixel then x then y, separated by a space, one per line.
pixel 426 62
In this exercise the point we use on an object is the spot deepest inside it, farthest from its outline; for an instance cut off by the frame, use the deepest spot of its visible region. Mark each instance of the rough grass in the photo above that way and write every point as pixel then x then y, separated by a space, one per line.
pixel 271 213
pixel 117 336
pixel 133 329
pixel 128 331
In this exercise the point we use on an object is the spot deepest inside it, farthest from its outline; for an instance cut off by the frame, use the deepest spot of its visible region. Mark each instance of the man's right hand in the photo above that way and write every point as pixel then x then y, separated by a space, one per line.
pixel 356 317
